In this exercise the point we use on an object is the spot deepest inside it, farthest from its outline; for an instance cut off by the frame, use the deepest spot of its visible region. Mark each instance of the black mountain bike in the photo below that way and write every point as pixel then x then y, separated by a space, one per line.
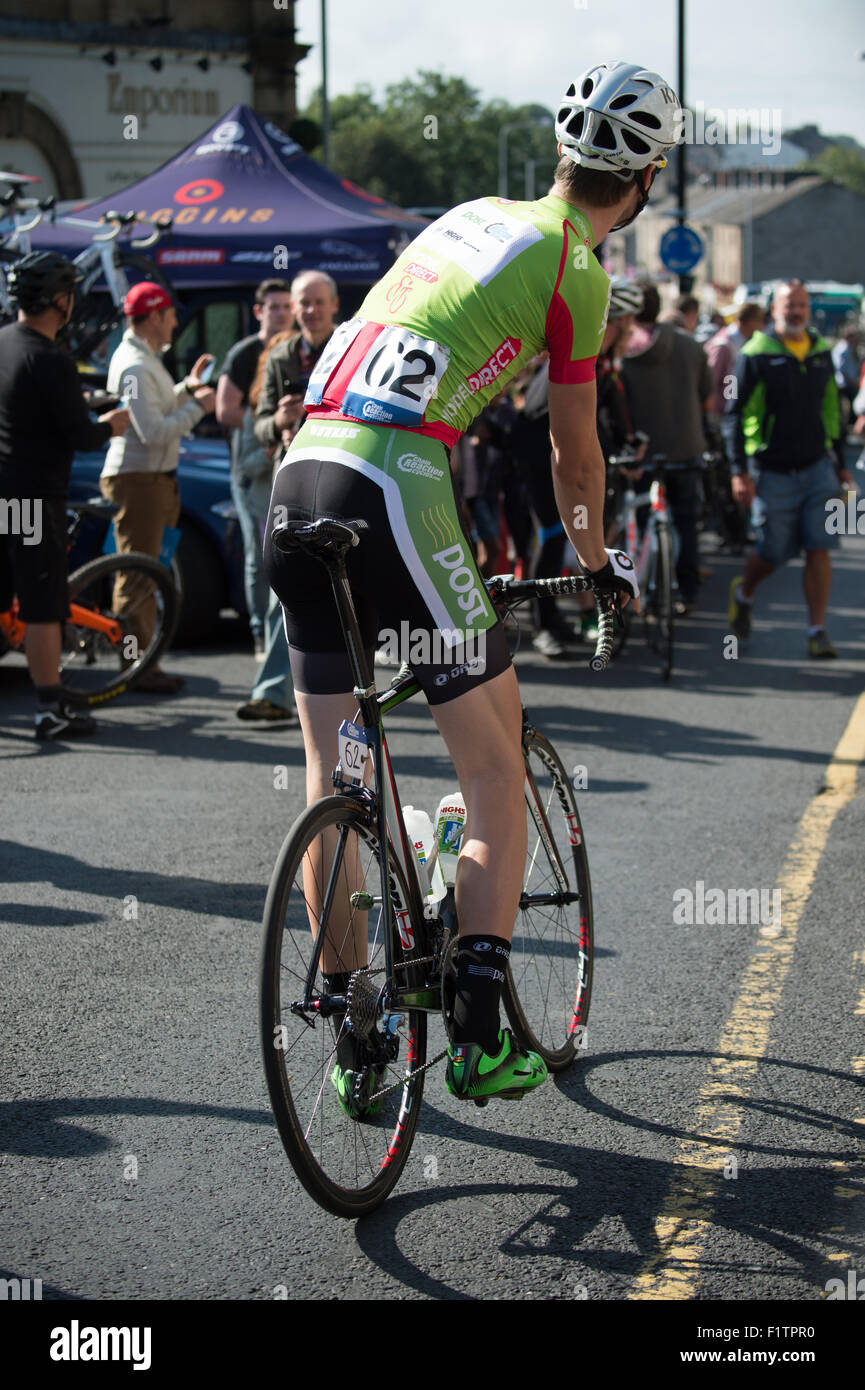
pixel 348 887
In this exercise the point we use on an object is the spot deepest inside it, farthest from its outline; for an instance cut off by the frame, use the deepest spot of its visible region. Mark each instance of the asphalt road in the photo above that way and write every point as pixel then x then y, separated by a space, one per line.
pixel 708 1146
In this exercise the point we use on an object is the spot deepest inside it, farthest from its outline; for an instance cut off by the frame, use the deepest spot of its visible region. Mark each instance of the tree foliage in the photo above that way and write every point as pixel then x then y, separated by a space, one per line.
pixel 431 142
pixel 844 165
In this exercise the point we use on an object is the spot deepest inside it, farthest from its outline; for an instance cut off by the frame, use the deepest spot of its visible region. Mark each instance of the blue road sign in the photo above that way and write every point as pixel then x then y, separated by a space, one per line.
pixel 681 248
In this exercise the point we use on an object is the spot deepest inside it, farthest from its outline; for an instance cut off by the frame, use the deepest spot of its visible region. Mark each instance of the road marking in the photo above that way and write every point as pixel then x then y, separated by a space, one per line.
pixel 685 1221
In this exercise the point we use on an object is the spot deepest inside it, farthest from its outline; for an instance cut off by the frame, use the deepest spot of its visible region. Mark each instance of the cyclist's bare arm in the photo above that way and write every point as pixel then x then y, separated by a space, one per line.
pixel 579 472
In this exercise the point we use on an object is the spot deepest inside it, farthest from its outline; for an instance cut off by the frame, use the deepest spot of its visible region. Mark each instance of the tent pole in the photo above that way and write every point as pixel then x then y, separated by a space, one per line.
pixel 325 108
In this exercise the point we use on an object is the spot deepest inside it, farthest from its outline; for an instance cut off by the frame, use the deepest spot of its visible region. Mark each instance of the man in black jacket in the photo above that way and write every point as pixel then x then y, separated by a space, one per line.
pixel 43 420
pixel 779 427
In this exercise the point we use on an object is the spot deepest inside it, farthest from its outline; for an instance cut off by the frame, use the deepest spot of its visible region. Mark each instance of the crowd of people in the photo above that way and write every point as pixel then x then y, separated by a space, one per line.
pixel 659 391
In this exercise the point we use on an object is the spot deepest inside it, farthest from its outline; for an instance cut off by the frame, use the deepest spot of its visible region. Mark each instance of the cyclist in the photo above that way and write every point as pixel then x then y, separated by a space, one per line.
pixel 43 420
pixel 478 293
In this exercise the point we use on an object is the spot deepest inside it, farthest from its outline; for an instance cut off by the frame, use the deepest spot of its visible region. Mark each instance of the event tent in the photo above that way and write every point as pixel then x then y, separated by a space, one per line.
pixel 247 201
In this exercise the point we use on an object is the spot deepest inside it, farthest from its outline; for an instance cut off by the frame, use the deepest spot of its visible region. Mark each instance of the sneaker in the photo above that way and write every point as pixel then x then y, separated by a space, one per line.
pixel 547 643
pixel 589 627
pixel 267 712
pixel 820 646
pixel 59 722
pixel 473 1074
pixel 158 682
pixel 563 631
pixel 738 613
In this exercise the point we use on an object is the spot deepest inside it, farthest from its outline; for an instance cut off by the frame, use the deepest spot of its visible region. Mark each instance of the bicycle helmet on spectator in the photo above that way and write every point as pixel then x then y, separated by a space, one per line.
pixel 36 280
pixel 626 297
pixel 617 118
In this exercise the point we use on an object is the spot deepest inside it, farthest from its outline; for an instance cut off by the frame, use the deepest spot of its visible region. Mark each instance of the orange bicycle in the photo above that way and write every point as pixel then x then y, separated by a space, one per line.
pixel 102 656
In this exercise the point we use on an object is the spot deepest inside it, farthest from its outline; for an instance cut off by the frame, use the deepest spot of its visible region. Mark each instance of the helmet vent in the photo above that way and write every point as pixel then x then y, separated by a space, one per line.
pixel 625 99
pixel 647 119
pixel 587 88
pixel 572 91
pixel 604 137
pixel 634 143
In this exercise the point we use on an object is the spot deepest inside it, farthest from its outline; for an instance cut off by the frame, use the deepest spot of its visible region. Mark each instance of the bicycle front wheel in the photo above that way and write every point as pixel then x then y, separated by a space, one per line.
pixel 342 1070
pixel 659 605
pixel 123 612
pixel 548 986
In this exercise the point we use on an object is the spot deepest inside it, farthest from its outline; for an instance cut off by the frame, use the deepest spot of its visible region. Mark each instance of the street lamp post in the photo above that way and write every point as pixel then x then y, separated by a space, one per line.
pixel 325 106
pixel 543 121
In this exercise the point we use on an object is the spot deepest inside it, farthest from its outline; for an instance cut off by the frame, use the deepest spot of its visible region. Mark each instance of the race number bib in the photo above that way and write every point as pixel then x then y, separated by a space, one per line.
pixel 341 340
pixel 396 378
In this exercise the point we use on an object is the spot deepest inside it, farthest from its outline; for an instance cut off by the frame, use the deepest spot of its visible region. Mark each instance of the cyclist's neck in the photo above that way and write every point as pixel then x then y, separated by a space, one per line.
pixel 601 220
pixel 47 324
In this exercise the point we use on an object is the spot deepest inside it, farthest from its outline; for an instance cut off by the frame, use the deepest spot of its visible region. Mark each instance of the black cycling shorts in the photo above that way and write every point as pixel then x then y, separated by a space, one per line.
pixel 33 559
pixel 398 588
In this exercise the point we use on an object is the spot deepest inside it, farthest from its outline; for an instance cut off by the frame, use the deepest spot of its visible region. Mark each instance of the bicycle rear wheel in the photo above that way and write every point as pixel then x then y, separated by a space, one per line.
pixel 103 654
pixel 659 603
pixel 328 871
pixel 548 987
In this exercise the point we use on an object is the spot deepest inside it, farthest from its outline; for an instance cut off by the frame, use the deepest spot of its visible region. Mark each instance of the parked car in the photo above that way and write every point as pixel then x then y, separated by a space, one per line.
pixel 210 551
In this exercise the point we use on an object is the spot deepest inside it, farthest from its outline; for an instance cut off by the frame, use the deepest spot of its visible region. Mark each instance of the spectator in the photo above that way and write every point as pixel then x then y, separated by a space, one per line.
pixel 278 417
pixel 845 360
pixel 43 420
pixel 485 452
pixel 251 466
pixel 668 386
pixel 685 313
pixel 723 349
pixel 140 470
pixel 779 426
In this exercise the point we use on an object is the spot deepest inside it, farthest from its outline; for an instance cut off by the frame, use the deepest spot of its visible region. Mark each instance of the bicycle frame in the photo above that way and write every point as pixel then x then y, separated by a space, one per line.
pixel 383 803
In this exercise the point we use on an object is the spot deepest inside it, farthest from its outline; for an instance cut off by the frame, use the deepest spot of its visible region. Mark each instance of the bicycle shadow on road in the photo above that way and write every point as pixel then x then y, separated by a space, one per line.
pixel 782 1207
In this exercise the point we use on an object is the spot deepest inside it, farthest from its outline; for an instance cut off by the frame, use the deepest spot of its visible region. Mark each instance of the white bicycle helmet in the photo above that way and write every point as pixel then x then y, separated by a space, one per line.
pixel 626 297
pixel 618 117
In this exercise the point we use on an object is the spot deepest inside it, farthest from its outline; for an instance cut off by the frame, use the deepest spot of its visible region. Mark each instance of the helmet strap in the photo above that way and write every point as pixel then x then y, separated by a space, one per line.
pixel 644 198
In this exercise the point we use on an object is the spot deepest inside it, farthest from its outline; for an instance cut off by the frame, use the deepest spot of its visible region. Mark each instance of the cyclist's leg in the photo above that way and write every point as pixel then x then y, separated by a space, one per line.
pixel 481 730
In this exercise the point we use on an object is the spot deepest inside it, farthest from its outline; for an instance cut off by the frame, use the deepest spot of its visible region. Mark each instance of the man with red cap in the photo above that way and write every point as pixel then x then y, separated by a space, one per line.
pixel 140 472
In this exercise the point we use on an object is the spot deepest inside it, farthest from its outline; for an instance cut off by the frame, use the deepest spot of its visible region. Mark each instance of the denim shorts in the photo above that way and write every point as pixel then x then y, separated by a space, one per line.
pixel 789 511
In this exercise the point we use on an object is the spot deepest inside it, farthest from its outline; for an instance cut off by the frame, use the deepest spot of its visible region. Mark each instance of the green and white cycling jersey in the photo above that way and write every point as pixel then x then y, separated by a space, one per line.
pixel 478 293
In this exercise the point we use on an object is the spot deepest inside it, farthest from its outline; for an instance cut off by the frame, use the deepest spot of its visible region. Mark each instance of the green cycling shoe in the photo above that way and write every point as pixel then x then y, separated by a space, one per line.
pixel 473 1074
pixel 353 1081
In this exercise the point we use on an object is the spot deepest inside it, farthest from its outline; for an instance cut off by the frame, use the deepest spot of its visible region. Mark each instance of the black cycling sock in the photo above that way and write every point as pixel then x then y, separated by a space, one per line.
pixel 49 695
pixel 481 965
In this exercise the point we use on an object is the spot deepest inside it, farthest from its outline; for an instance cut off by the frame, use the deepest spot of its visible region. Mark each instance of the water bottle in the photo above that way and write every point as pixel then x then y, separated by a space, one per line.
pixel 420 831
pixel 450 824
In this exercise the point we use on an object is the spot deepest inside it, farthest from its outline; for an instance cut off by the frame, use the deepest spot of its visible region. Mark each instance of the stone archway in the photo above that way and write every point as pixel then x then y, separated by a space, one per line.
pixel 20 119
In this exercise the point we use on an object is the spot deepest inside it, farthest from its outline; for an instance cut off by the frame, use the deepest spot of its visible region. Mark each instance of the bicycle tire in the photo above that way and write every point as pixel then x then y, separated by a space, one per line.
pixel 96 667
pixel 349 1166
pixel 659 633
pixel 548 984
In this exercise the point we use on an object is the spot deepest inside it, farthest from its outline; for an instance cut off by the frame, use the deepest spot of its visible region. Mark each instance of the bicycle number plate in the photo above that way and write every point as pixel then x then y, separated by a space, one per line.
pixel 353 750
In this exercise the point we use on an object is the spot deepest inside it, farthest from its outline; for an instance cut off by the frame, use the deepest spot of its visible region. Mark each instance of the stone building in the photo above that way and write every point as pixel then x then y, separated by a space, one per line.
pixel 95 94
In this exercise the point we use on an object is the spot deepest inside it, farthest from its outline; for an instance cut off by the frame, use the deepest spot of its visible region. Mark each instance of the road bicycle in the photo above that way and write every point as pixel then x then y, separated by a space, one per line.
pixel 653 551
pixel 102 656
pixel 107 267
pixel 348 893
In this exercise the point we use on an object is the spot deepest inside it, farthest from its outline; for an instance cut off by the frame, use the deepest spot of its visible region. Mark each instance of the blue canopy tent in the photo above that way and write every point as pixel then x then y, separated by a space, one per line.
pixel 248 202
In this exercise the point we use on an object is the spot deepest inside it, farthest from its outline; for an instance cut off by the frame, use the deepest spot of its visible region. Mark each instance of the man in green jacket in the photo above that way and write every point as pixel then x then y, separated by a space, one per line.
pixel 779 426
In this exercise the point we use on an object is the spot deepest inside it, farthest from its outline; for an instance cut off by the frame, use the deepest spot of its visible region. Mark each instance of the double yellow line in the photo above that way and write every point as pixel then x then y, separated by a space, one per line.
pixel 685 1221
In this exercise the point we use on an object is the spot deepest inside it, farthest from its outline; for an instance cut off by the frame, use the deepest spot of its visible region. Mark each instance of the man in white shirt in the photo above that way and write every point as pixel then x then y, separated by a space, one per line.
pixel 140 471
